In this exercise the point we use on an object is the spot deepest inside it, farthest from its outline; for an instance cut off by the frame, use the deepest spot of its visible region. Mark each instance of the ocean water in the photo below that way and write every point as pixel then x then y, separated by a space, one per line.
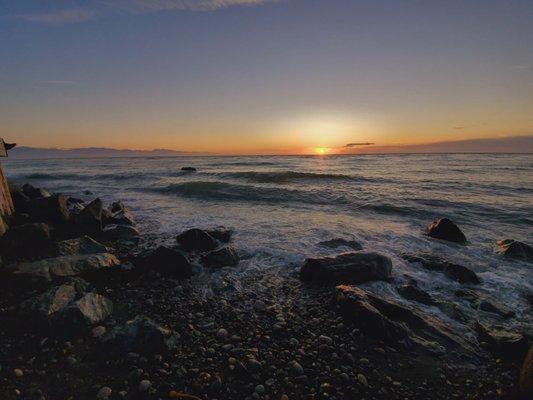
pixel 281 207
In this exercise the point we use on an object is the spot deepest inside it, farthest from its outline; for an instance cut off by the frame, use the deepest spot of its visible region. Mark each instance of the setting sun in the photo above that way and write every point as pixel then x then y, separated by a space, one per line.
pixel 321 150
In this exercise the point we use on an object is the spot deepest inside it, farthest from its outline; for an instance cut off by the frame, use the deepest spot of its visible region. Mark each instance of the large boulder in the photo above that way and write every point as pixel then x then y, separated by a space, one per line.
pixel 445 229
pixel 28 239
pixel 120 232
pixel 350 268
pixel 59 268
pixel 196 239
pixel 118 214
pixel 339 242
pixel 89 220
pixel 34 193
pixel 52 209
pixel 167 262
pixel 67 308
pixel 514 249
pixel 221 234
pixel 385 319
pixel 503 343
pixel 141 335
pixel 525 382
pixel 414 293
pixel 453 271
pixel 224 257
pixel 83 245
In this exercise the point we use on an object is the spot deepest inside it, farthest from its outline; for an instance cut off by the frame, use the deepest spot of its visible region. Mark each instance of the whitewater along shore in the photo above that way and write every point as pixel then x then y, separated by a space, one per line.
pixel 91 308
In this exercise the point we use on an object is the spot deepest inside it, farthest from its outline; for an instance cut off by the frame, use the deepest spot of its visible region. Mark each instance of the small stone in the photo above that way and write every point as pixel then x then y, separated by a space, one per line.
pixel 144 385
pixel 296 369
pixel 284 397
pixel 362 380
pixel 325 339
pixel 18 373
pixel 260 389
pixel 104 393
pixel 222 333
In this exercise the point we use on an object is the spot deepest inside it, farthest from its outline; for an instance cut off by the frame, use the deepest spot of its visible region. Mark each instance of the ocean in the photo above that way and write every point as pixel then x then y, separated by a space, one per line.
pixel 281 207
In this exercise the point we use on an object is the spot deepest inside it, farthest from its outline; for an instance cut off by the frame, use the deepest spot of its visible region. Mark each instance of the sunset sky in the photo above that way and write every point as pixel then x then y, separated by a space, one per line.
pixel 252 76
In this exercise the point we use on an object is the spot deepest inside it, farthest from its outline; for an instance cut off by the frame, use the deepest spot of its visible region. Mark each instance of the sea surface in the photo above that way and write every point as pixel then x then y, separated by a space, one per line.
pixel 281 207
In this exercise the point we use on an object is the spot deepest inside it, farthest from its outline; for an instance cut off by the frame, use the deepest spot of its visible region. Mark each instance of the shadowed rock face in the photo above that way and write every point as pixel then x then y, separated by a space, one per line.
pixel 225 257
pixel 503 343
pixel 514 249
pixel 52 209
pixel 140 335
pixel 453 271
pixel 89 220
pixel 351 268
pixel 526 376
pixel 445 229
pixel 196 239
pixel 167 262
pixel 394 323
pixel 27 239
pixel 412 292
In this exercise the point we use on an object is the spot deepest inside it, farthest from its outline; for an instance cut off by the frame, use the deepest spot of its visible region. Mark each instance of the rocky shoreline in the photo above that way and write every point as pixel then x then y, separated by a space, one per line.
pixel 93 309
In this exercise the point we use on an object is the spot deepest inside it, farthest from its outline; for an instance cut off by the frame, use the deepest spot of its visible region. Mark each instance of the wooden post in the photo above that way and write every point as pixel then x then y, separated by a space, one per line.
pixel 6 202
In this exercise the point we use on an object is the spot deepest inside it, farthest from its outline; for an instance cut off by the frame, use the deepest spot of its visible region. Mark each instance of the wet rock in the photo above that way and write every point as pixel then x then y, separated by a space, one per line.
pixel 48 209
pixel 412 292
pixel 453 271
pixel 120 232
pixel 189 169
pixel 104 393
pixel 89 220
pixel 461 274
pixel 83 245
pixel 339 242
pixel 491 306
pixel 167 262
pixel 196 239
pixel 525 382
pixel 141 335
pixel 27 239
pixel 514 249
pixel 503 343
pixel 58 268
pixel 34 193
pixel 221 234
pixel 349 268
pixel 119 214
pixel 387 320
pixel 225 257
pixel 445 229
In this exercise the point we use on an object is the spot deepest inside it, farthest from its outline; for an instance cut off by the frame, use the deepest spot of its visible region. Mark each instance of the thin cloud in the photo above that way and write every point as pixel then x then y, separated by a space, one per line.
pixel 61 16
pixel 359 144
pixel 95 8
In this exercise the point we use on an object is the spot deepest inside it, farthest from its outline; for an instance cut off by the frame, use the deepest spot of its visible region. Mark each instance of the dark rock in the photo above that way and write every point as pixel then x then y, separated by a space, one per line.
pixel 503 343
pixel 495 308
pixel 75 200
pixel 83 245
pixel 141 335
pixel 452 310
pixel 455 272
pixel 33 192
pixel 412 292
pixel 120 232
pixel 514 249
pixel 387 320
pixel 20 200
pixel 89 220
pixel 349 268
pixel 88 310
pixel 221 234
pixel 196 239
pixel 49 209
pixel 334 243
pixel 167 262
pixel 225 257
pixel 119 214
pixel 45 271
pixel 28 239
pixel 525 382
pixel 117 206
pixel 189 169
pixel 445 229
pixel 461 274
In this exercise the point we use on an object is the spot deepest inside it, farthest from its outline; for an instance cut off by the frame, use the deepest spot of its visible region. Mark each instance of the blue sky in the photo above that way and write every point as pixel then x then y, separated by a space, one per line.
pixel 263 76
